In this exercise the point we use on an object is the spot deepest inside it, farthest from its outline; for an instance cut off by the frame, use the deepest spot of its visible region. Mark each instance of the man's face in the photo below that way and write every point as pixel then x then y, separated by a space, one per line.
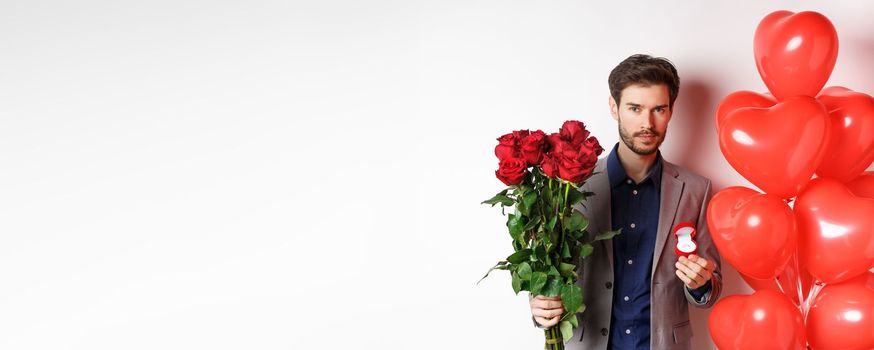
pixel 643 113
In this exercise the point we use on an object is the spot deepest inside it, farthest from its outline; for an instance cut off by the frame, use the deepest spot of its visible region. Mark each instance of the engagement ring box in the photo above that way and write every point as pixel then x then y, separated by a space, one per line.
pixel 686 245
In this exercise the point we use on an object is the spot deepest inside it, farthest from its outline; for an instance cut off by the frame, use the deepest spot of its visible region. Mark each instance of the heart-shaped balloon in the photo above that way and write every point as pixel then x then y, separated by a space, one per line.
pixel 776 148
pixel 741 99
pixel 795 52
pixel 851 144
pixel 764 320
pixel 842 317
pixel 836 231
pixel 755 232
pixel 863 186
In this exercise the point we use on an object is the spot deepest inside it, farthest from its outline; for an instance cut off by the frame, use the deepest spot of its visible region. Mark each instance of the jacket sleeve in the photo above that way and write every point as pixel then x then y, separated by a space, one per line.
pixel 707 250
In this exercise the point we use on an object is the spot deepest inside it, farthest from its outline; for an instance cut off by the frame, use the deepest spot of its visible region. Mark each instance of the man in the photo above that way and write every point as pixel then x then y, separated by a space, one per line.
pixel 636 289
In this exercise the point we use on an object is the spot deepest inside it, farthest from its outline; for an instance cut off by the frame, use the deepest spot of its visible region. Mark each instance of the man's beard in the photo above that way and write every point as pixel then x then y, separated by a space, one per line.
pixel 629 140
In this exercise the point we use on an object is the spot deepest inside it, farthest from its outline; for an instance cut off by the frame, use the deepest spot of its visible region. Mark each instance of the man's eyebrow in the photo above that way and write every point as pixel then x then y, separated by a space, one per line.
pixel 632 104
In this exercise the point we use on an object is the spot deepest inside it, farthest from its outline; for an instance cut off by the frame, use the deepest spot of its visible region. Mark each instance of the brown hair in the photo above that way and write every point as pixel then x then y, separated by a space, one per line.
pixel 644 70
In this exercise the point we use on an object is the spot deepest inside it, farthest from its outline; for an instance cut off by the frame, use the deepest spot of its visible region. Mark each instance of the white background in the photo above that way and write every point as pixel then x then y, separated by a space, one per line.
pixel 290 175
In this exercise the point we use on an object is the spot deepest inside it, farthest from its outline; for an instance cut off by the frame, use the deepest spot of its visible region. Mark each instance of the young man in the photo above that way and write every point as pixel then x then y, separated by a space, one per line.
pixel 636 289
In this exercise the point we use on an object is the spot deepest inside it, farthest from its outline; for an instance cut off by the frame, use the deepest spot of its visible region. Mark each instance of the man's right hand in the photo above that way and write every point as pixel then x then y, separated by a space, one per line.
pixel 546 310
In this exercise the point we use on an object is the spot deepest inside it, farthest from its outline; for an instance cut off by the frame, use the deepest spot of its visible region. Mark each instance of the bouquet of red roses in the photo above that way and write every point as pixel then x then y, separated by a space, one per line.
pixel 543 173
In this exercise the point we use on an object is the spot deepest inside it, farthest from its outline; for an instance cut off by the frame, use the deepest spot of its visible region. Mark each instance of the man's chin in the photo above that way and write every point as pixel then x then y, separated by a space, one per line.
pixel 645 150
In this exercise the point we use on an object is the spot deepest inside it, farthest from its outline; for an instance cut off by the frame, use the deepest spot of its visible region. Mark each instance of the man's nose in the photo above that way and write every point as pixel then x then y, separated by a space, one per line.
pixel 648 120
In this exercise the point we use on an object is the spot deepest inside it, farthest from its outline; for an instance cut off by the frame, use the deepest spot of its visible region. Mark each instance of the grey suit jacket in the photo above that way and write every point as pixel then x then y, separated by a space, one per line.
pixel 684 197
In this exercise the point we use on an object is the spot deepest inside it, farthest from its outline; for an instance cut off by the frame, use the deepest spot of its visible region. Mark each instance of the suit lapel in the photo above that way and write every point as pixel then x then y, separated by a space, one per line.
pixel 671 191
pixel 600 185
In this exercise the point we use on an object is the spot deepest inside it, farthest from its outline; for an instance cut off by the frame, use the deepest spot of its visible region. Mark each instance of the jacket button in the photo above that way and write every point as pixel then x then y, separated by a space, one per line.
pixel 608 285
pixel 604 331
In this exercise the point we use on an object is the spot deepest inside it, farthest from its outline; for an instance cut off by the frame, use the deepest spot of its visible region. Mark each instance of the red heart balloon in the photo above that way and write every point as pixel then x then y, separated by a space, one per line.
pixel 865 279
pixel 741 99
pixel 755 232
pixel 795 52
pixel 851 144
pixel 776 148
pixel 842 317
pixel 863 186
pixel 836 231
pixel 764 320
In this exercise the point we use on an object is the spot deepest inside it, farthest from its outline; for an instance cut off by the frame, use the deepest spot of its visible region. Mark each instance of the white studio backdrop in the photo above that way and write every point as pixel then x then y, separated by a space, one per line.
pixel 307 175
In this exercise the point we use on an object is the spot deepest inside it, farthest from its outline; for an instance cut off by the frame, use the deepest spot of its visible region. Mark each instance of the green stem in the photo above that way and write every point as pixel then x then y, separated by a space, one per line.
pixel 554 340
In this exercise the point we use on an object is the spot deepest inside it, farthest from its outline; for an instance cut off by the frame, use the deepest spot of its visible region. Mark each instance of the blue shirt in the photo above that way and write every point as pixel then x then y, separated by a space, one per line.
pixel 634 208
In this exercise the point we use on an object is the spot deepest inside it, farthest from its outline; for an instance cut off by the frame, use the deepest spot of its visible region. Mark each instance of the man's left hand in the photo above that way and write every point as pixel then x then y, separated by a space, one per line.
pixel 695 271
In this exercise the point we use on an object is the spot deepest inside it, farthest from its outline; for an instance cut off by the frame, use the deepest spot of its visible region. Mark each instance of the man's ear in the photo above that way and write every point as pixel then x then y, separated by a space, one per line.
pixel 614 108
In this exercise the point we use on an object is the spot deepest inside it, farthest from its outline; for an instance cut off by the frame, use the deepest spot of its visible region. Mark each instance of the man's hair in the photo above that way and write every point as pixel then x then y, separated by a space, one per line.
pixel 644 70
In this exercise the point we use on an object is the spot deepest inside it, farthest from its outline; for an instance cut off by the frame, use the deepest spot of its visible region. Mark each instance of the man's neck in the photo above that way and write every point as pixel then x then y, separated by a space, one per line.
pixel 636 166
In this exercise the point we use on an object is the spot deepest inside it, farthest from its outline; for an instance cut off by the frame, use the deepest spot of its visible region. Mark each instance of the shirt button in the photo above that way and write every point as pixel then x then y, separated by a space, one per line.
pixel 604 331
pixel 628 181
pixel 626 298
pixel 627 331
pixel 630 261
pixel 633 225
pixel 635 191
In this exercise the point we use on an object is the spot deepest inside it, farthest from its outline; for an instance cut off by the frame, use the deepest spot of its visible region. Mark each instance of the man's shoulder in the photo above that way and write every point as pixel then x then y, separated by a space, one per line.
pixel 689 177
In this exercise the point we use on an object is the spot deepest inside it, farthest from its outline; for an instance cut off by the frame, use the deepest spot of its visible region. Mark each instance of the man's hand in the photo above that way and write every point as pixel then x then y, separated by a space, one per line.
pixel 695 271
pixel 546 310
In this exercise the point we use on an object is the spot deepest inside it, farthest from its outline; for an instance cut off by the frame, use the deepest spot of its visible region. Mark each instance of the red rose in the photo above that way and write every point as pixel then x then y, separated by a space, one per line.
pixel 521 134
pixel 576 165
pixel 549 164
pixel 511 171
pixel 507 147
pixel 593 144
pixel 574 132
pixel 532 147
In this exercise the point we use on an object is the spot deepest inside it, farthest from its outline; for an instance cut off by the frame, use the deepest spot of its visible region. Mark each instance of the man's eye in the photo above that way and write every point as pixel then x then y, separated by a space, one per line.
pixel 659 110
pixel 635 109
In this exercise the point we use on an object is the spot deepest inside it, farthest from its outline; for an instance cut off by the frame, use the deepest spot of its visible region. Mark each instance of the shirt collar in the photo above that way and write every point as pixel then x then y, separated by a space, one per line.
pixel 617 175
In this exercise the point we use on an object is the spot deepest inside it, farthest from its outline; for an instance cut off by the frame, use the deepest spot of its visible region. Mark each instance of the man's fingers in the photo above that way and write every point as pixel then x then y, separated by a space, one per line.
pixel 690 275
pixel 684 278
pixel 547 313
pixel 546 322
pixel 694 272
pixel 543 297
pixel 704 263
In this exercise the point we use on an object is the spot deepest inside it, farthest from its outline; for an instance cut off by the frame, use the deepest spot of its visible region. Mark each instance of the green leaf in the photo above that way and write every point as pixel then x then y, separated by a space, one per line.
pixel 538 280
pixel 607 235
pixel 565 250
pixel 523 209
pixel 566 268
pixel 540 254
pixel 567 330
pixel 517 283
pixel 553 287
pixel 571 297
pixel 529 198
pixel 576 222
pixel 524 271
pixel 553 271
pixel 515 225
pixel 547 197
pixel 499 198
pixel 519 257
pixel 550 225
pixel 502 265
pixel 574 320
pixel 575 197
pixel 586 250
pixel 531 225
